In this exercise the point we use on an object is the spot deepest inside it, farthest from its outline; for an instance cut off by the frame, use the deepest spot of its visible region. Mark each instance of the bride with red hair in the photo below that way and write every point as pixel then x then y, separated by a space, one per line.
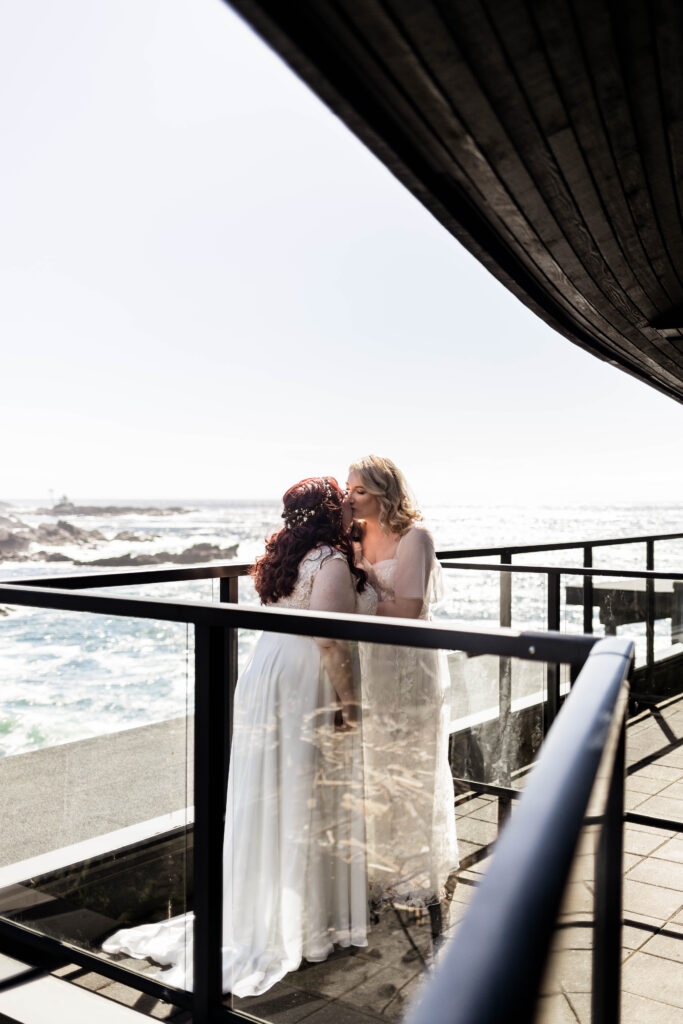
pixel 294 872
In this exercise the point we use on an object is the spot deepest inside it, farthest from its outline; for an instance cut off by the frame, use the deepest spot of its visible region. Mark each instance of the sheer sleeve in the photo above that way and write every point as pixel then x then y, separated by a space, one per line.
pixel 333 588
pixel 415 560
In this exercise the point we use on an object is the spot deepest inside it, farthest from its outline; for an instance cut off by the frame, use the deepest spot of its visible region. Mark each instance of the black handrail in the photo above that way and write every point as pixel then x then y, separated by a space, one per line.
pixel 493 967
pixel 565 570
pixel 136 577
pixel 519 549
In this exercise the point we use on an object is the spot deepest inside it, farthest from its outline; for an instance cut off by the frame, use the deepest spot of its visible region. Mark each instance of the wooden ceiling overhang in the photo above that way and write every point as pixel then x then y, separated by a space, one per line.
pixel 546 135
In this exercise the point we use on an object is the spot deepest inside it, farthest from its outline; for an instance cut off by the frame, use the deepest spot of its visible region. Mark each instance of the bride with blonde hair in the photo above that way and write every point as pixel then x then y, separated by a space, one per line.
pixel 410 816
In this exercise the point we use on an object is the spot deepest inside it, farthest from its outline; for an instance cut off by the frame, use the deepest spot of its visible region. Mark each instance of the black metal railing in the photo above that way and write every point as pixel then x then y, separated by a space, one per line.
pixel 554 575
pixel 493 967
pixel 506 551
pixel 554 579
pixel 215 627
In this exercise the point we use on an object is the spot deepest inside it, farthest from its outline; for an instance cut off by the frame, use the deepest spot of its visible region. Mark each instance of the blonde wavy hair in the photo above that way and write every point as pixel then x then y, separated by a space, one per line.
pixel 383 479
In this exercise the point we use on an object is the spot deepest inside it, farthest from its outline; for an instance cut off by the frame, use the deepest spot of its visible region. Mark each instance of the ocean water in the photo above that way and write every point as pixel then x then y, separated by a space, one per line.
pixel 67 676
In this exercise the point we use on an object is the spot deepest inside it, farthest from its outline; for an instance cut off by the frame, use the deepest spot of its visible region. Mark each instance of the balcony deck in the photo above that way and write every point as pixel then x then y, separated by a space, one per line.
pixel 377 983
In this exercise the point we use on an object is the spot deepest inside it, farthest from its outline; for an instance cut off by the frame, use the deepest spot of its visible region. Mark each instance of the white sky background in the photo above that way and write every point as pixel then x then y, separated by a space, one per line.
pixel 209 288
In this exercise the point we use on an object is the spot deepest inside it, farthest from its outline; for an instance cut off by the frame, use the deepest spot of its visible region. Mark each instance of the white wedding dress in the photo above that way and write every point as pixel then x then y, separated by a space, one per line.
pixel 410 814
pixel 294 868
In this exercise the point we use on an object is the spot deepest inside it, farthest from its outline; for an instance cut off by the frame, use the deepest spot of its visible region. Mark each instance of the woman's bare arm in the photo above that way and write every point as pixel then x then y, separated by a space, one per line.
pixel 333 592
pixel 403 607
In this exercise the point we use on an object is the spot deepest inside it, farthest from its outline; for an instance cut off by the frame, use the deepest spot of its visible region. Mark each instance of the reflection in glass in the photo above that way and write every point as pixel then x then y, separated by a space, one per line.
pixel 94 820
pixel 403 935
pixel 337 851
pixel 412 847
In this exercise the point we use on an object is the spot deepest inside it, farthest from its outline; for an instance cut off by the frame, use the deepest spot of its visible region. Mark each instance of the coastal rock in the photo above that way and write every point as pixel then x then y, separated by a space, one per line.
pixel 134 538
pixel 49 556
pixel 62 532
pixel 67 508
pixel 196 553
pixel 11 523
pixel 13 545
pixel 204 553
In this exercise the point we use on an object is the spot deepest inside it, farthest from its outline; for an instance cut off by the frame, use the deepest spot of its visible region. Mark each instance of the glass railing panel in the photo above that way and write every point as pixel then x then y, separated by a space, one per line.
pixel 477 599
pixel 354 829
pixel 529 612
pixel 498 710
pixel 339 843
pixel 95 786
pixel 169 590
pixel 484 600
pixel 571 605
pixel 620 556
pixel 247 638
pixel 471 598
pixel 528 600
pixel 620 608
pixel 668 554
pixel 563 556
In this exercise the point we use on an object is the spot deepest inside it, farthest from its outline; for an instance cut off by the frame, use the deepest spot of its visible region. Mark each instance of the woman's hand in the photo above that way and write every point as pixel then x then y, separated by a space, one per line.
pixel 350 713
pixel 346 718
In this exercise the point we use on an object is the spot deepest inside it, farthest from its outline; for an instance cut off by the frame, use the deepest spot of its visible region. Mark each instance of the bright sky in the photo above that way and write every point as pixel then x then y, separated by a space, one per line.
pixel 209 288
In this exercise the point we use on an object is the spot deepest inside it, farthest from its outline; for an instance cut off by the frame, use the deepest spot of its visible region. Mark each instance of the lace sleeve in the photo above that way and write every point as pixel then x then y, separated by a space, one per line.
pixel 333 587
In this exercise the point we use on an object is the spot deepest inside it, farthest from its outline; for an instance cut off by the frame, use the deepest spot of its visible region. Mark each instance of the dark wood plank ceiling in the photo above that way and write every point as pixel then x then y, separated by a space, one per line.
pixel 546 135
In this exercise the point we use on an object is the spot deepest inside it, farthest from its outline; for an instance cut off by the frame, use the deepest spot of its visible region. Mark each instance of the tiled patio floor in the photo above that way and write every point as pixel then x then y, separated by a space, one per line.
pixel 377 983
pixel 652 960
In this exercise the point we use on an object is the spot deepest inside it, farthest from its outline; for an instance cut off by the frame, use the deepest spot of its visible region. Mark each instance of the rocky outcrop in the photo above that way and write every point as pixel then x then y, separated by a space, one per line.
pixel 15 543
pixel 13 546
pixel 135 538
pixel 191 556
pixel 62 532
pixel 17 540
pixel 11 523
pixel 67 508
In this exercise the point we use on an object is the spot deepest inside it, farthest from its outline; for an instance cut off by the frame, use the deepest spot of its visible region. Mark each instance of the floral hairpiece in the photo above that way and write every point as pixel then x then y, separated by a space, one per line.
pixel 298 516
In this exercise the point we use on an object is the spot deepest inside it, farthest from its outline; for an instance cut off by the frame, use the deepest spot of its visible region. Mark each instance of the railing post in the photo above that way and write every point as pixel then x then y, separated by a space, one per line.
pixel 650 611
pixel 229 594
pixel 209 803
pixel 587 605
pixel 504 691
pixel 607 903
pixel 553 671
pixel 588 590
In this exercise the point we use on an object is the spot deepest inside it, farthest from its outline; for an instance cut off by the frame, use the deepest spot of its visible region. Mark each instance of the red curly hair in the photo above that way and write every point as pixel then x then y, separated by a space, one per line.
pixel 313 516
